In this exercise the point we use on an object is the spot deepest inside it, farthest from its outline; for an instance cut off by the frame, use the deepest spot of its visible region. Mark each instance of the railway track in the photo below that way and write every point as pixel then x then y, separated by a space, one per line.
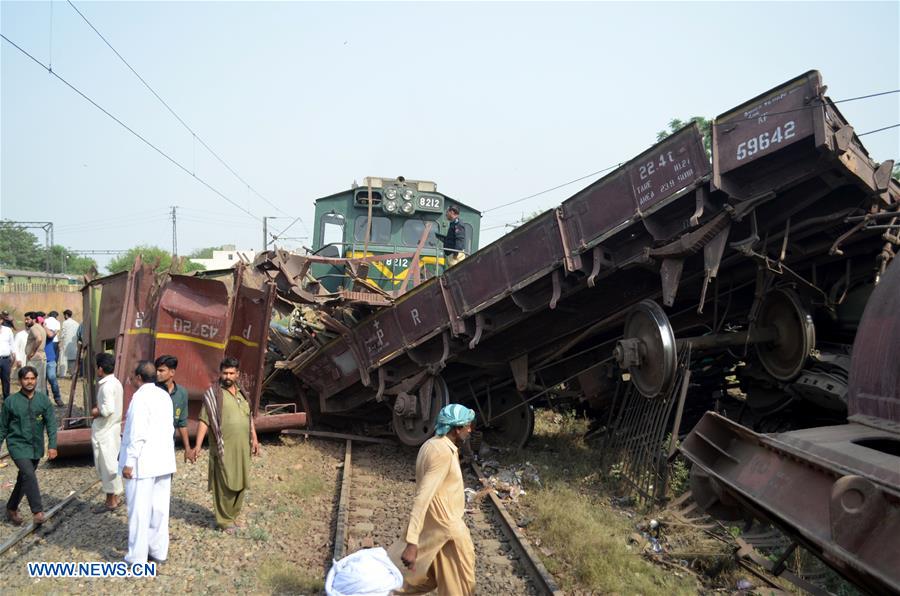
pixel 50 515
pixel 376 490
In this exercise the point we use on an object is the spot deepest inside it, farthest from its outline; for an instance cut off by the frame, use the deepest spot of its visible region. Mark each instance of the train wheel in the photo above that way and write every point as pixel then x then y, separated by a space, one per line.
pixel 652 360
pixel 785 358
pixel 413 424
pixel 511 420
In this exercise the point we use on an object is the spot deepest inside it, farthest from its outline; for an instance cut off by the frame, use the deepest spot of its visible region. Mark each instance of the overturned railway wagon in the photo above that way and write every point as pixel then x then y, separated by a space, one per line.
pixel 144 313
pixel 764 255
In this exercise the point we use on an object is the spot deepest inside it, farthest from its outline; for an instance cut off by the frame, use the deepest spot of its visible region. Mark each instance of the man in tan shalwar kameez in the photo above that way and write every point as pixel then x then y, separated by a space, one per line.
pixel 439 550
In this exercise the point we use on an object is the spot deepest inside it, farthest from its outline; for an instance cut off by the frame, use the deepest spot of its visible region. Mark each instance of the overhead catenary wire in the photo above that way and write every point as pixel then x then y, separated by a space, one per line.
pixel 579 179
pixel 804 108
pixel 195 136
pixel 108 224
pixel 557 187
pixel 128 128
pixel 862 134
pixel 281 233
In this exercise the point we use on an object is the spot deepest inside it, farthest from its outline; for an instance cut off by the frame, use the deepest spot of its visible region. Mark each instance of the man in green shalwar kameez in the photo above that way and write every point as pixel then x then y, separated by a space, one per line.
pixel 226 413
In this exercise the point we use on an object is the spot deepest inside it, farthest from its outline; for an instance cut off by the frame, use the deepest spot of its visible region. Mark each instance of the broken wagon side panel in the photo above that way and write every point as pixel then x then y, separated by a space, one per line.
pixel 192 325
pixel 135 341
pixel 247 340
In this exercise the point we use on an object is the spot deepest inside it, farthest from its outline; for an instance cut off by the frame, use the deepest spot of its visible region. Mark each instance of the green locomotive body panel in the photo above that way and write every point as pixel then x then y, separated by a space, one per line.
pixel 401 209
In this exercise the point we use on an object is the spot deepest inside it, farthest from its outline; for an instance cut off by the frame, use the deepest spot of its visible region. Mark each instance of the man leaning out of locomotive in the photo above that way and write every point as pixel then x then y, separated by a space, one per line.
pixel 24 419
pixel 455 238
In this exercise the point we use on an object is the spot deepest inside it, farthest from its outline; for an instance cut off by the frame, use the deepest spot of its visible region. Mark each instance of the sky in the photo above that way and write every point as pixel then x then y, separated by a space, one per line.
pixel 493 101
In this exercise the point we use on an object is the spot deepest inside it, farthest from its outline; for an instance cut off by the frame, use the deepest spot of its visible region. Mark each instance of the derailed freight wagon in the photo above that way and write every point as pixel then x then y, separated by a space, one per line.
pixel 766 251
pixel 142 314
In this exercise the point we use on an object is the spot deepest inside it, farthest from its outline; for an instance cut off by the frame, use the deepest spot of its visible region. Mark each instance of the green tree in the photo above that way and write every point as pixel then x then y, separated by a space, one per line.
pixel 204 253
pixel 19 248
pixel 63 260
pixel 895 173
pixel 150 254
pixel 705 129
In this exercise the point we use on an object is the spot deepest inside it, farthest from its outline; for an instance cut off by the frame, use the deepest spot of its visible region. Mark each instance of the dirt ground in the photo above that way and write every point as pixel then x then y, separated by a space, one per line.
pixel 284 547
pixel 569 515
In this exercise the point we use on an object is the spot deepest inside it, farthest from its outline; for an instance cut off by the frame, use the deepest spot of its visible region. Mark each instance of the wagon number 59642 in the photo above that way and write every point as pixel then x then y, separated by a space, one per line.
pixel 763 141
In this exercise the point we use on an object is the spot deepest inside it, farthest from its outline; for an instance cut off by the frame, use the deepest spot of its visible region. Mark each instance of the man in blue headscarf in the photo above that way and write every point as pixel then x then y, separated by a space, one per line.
pixel 439 551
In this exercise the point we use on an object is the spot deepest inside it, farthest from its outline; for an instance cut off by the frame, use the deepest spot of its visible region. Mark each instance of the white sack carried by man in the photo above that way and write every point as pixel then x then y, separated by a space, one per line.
pixel 367 572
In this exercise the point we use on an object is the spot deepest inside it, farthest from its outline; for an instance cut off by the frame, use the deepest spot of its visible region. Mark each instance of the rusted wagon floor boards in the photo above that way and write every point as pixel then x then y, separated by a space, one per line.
pixel 382 486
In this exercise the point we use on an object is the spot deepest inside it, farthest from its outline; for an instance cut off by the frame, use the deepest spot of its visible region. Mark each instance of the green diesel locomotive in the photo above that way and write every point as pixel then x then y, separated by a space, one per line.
pixel 399 211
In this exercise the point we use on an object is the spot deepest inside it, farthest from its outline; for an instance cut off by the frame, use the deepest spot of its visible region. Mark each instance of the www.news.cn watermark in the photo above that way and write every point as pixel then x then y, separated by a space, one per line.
pixel 98 569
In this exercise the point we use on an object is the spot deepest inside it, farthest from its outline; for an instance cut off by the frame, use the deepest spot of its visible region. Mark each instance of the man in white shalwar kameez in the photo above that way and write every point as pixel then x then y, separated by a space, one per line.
pixel 68 345
pixel 147 462
pixel 106 431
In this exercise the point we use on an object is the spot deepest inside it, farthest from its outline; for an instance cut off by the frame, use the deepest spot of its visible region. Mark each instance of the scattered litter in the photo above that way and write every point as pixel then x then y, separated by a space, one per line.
pixel 509 482
pixel 470 496
pixel 744 585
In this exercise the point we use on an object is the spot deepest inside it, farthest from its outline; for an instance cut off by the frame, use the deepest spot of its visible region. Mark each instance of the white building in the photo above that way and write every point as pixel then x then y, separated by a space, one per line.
pixel 226 258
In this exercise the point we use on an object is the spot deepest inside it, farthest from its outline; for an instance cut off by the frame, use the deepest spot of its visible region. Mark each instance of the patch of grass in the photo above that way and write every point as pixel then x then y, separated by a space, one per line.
pixel 588 542
pixel 283 577
pixel 679 476
pixel 258 534
pixel 305 485
pixel 558 438
pixel 583 540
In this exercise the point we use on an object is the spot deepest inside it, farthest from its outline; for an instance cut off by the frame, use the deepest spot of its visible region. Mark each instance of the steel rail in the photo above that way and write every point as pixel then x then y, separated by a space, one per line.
pixel 543 581
pixel 539 575
pixel 343 514
pixel 31 527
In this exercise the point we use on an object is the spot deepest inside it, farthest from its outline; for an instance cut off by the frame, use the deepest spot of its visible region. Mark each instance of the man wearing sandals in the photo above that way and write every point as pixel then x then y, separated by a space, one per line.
pixel 105 431
pixel 232 439
pixel 147 462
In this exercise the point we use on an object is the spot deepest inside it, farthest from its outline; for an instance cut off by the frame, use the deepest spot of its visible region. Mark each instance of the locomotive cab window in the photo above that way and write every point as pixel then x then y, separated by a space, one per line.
pixel 381 230
pixel 332 233
pixel 469 233
pixel 412 232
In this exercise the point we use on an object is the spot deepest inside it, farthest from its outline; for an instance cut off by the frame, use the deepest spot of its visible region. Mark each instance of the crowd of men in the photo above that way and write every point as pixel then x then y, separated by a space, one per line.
pixel 136 464
pixel 45 343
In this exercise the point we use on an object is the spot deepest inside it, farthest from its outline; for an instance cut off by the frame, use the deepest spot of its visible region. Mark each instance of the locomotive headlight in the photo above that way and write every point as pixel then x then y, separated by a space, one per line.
pixel 408 207
pixel 408 194
pixel 390 205
pixel 391 193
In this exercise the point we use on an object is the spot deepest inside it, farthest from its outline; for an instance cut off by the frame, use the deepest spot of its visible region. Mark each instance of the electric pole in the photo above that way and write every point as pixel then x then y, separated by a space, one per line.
pixel 265 221
pixel 174 233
